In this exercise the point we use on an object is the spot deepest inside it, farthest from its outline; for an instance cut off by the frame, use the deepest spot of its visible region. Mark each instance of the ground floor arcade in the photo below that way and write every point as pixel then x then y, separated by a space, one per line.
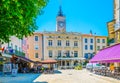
pixel 69 63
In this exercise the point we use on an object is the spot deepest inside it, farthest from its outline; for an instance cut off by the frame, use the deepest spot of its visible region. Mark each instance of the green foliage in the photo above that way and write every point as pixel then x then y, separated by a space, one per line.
pixel 19 53
pixel 84 63
pixel 17 17
pixel 78 67
pixel 109 41
pixel 1 62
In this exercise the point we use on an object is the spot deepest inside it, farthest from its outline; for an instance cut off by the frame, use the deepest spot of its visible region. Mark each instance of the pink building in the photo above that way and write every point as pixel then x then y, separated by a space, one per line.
pixel 32 46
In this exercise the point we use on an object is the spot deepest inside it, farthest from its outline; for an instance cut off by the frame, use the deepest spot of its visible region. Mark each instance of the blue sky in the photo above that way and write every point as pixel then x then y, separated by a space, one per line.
pixel 81 16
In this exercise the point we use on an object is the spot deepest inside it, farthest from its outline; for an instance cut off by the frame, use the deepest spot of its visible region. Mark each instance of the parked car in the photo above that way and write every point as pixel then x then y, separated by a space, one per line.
pixel 94 66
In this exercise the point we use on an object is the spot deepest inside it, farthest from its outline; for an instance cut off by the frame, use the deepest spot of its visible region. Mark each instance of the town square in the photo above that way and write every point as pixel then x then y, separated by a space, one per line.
pixel 59 41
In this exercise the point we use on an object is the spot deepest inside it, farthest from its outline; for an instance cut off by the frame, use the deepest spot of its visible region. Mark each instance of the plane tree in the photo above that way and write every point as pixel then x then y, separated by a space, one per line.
pixel 18 17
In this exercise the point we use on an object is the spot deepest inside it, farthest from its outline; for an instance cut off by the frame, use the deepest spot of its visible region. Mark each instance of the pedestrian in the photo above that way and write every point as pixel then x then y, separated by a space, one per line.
pixel 112 68
pixel 24 70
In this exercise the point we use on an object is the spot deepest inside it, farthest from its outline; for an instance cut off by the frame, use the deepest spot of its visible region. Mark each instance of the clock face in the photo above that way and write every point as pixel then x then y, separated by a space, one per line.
pixel 61 24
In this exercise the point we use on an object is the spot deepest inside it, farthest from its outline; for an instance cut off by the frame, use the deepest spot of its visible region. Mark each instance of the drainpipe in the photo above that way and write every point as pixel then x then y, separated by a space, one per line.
pixel 42 47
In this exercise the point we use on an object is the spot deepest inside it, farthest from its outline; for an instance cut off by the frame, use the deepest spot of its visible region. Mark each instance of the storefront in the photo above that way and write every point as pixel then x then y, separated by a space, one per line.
pixel 69 63
pixel 24 64
pixel 108 55
pixel 4 58
pixel 49 65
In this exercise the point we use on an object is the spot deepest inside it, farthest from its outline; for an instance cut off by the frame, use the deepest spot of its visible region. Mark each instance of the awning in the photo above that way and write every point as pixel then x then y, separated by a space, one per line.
pixel 108 55
pixel 6 55
pixel 50 61
pixel 38 63
pixel 24 58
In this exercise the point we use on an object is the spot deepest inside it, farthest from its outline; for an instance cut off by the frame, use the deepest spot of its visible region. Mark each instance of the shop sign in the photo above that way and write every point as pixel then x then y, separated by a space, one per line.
pixel 7 67
pixel 14 72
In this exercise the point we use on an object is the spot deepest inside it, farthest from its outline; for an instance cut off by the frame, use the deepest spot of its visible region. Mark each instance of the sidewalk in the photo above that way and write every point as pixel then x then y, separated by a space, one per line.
pixel 74 76
pixel 20 78
pixel 62 76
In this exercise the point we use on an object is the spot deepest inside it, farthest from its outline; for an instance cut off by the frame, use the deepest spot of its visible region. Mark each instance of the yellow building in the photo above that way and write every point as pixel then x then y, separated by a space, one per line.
pixel 65 47
pixel 110 25
pixel 117 20
pixel 114 25
pixel 117 23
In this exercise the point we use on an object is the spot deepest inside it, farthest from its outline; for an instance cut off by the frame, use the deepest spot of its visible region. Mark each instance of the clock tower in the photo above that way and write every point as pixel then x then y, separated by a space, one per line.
pixel 60 21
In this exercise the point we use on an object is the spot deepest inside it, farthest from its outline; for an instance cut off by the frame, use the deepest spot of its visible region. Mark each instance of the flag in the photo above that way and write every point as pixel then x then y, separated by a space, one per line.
pixel 3 49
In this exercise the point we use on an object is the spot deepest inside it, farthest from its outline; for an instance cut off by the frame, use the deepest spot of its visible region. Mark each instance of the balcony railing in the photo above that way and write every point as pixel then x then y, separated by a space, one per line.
pixel 65 57
pixel 19 53
pixel 11 51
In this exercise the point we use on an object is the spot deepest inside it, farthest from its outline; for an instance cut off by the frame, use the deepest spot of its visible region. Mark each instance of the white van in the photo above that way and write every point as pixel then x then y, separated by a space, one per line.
pixel 94 66
pixel 89 66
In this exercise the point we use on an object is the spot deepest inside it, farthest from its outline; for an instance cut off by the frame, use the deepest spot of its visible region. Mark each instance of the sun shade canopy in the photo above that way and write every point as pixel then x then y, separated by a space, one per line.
pixel 108 55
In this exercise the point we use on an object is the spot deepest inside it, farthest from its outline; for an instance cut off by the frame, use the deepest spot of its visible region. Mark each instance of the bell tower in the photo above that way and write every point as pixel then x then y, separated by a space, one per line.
pixel 60 21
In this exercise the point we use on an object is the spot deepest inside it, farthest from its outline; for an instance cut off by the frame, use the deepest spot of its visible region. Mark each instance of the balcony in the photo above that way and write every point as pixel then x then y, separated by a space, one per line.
pixel 19 53
pixel 66 58
pixel 11 51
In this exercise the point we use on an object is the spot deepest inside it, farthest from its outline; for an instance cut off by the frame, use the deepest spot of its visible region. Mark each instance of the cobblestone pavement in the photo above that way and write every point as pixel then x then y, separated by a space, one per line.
pixel 20 78
pixel 74 76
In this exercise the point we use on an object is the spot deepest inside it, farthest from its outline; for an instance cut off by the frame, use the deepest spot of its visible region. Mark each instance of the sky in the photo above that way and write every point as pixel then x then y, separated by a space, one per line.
pixel 81 16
